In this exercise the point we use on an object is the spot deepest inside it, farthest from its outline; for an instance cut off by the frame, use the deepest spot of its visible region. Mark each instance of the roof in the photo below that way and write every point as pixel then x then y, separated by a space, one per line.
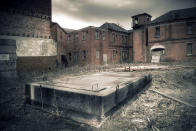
pixel 54 23
pixel 141 15
pixel 113 26
pixel 68 30
pixel 176 15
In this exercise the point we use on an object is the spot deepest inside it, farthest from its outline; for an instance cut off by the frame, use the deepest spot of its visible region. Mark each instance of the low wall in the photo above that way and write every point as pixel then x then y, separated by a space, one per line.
pixel 36 63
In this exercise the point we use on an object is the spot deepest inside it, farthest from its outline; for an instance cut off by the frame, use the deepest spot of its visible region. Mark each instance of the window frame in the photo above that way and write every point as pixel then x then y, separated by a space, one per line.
pixel 157 31
pixel 189 28
pixel 84 35
pixel 189 49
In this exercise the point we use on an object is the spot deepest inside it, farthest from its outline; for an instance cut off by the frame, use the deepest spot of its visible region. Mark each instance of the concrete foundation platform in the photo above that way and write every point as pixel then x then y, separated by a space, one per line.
pixel 86 98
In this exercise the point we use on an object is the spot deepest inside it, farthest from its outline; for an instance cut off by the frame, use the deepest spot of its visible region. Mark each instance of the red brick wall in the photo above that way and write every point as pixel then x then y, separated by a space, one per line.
pixel 91 45
pixel 175 38
pixel 138 43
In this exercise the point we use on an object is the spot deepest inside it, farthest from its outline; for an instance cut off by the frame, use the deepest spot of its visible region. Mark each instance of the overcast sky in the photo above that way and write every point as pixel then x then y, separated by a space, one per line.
pixel 76 14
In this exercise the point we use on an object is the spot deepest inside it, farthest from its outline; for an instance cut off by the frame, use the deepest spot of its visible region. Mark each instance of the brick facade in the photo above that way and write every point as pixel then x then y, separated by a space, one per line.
pixel 92 45
pixel 171 37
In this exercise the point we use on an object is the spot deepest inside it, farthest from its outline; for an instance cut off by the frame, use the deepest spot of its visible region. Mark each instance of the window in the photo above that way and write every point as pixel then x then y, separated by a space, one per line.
pixel 157 31
pixel 97 54
pixel 84 55
pixel 69 37
pixel 148 19
pixel 189 49
pixel 136 21
pixel 114 54
pixel 124 39
pixel 189 28
pixel 84 35
pixel 76 55
pixel 76 37
pixel 124 55
pixel 96 35
pixel 103 35
pixel 69 56
pixel 113 37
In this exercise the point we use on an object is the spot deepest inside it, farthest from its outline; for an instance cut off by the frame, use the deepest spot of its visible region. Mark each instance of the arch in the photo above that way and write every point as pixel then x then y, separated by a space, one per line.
pixel 157 47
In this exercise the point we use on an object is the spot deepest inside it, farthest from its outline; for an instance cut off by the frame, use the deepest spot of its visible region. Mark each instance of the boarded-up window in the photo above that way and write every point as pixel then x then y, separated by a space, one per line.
pixel 97 54
pixel 84 35
pixel 103 35
pixel 157 31
pixel 113 37
pixel 189 49
pixel 96 34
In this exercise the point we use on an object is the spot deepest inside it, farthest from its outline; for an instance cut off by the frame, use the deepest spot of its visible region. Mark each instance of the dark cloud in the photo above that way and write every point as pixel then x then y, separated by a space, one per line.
pixel 119 11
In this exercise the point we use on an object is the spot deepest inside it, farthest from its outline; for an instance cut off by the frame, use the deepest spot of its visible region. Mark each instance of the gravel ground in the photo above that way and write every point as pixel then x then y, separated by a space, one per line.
pixel 147 111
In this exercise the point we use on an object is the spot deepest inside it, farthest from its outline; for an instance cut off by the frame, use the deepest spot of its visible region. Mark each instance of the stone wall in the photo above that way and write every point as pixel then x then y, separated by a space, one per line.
pixel 27 46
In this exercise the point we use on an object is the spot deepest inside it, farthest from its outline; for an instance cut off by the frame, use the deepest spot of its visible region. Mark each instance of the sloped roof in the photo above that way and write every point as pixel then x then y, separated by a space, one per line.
pixel 68 30
pixel 176 15
pixel 113 26
pixel 141 15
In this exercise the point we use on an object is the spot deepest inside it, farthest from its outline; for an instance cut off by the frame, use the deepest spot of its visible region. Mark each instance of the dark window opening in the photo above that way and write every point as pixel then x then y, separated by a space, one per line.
pixel 157 31
pixel 189 49
pixel 69 56
pixel 84 55
pixel 189 28
pixel 96 34
pixel 136 21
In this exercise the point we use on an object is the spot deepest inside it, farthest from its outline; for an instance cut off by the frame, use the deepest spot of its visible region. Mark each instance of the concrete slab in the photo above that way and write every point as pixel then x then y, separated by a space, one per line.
pixel 86 98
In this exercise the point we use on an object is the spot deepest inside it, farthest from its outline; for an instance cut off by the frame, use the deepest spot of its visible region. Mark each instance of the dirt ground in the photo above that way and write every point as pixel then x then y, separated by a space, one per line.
pixel 147 111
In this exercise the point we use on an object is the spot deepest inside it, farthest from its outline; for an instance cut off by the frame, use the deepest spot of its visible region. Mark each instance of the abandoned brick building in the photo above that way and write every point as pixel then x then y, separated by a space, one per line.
pixel 31 41
pixel 28 40
pixel 108 43
pixel 170 37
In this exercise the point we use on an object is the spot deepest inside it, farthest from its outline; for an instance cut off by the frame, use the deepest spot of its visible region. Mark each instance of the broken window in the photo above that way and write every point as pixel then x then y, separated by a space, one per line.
pixel 84 35
pixel 189 49
pixel 157 31
pixel 189 28
pixel 84 55
pixel 96 34
pixel 103 35
pixel 97 54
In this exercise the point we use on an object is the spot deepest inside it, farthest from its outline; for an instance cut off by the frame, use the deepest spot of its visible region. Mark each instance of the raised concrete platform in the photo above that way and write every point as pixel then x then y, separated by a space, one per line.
pixel 86 98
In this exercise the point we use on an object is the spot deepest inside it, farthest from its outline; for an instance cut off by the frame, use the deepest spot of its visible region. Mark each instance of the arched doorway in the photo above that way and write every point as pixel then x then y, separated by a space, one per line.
pixel 157 53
